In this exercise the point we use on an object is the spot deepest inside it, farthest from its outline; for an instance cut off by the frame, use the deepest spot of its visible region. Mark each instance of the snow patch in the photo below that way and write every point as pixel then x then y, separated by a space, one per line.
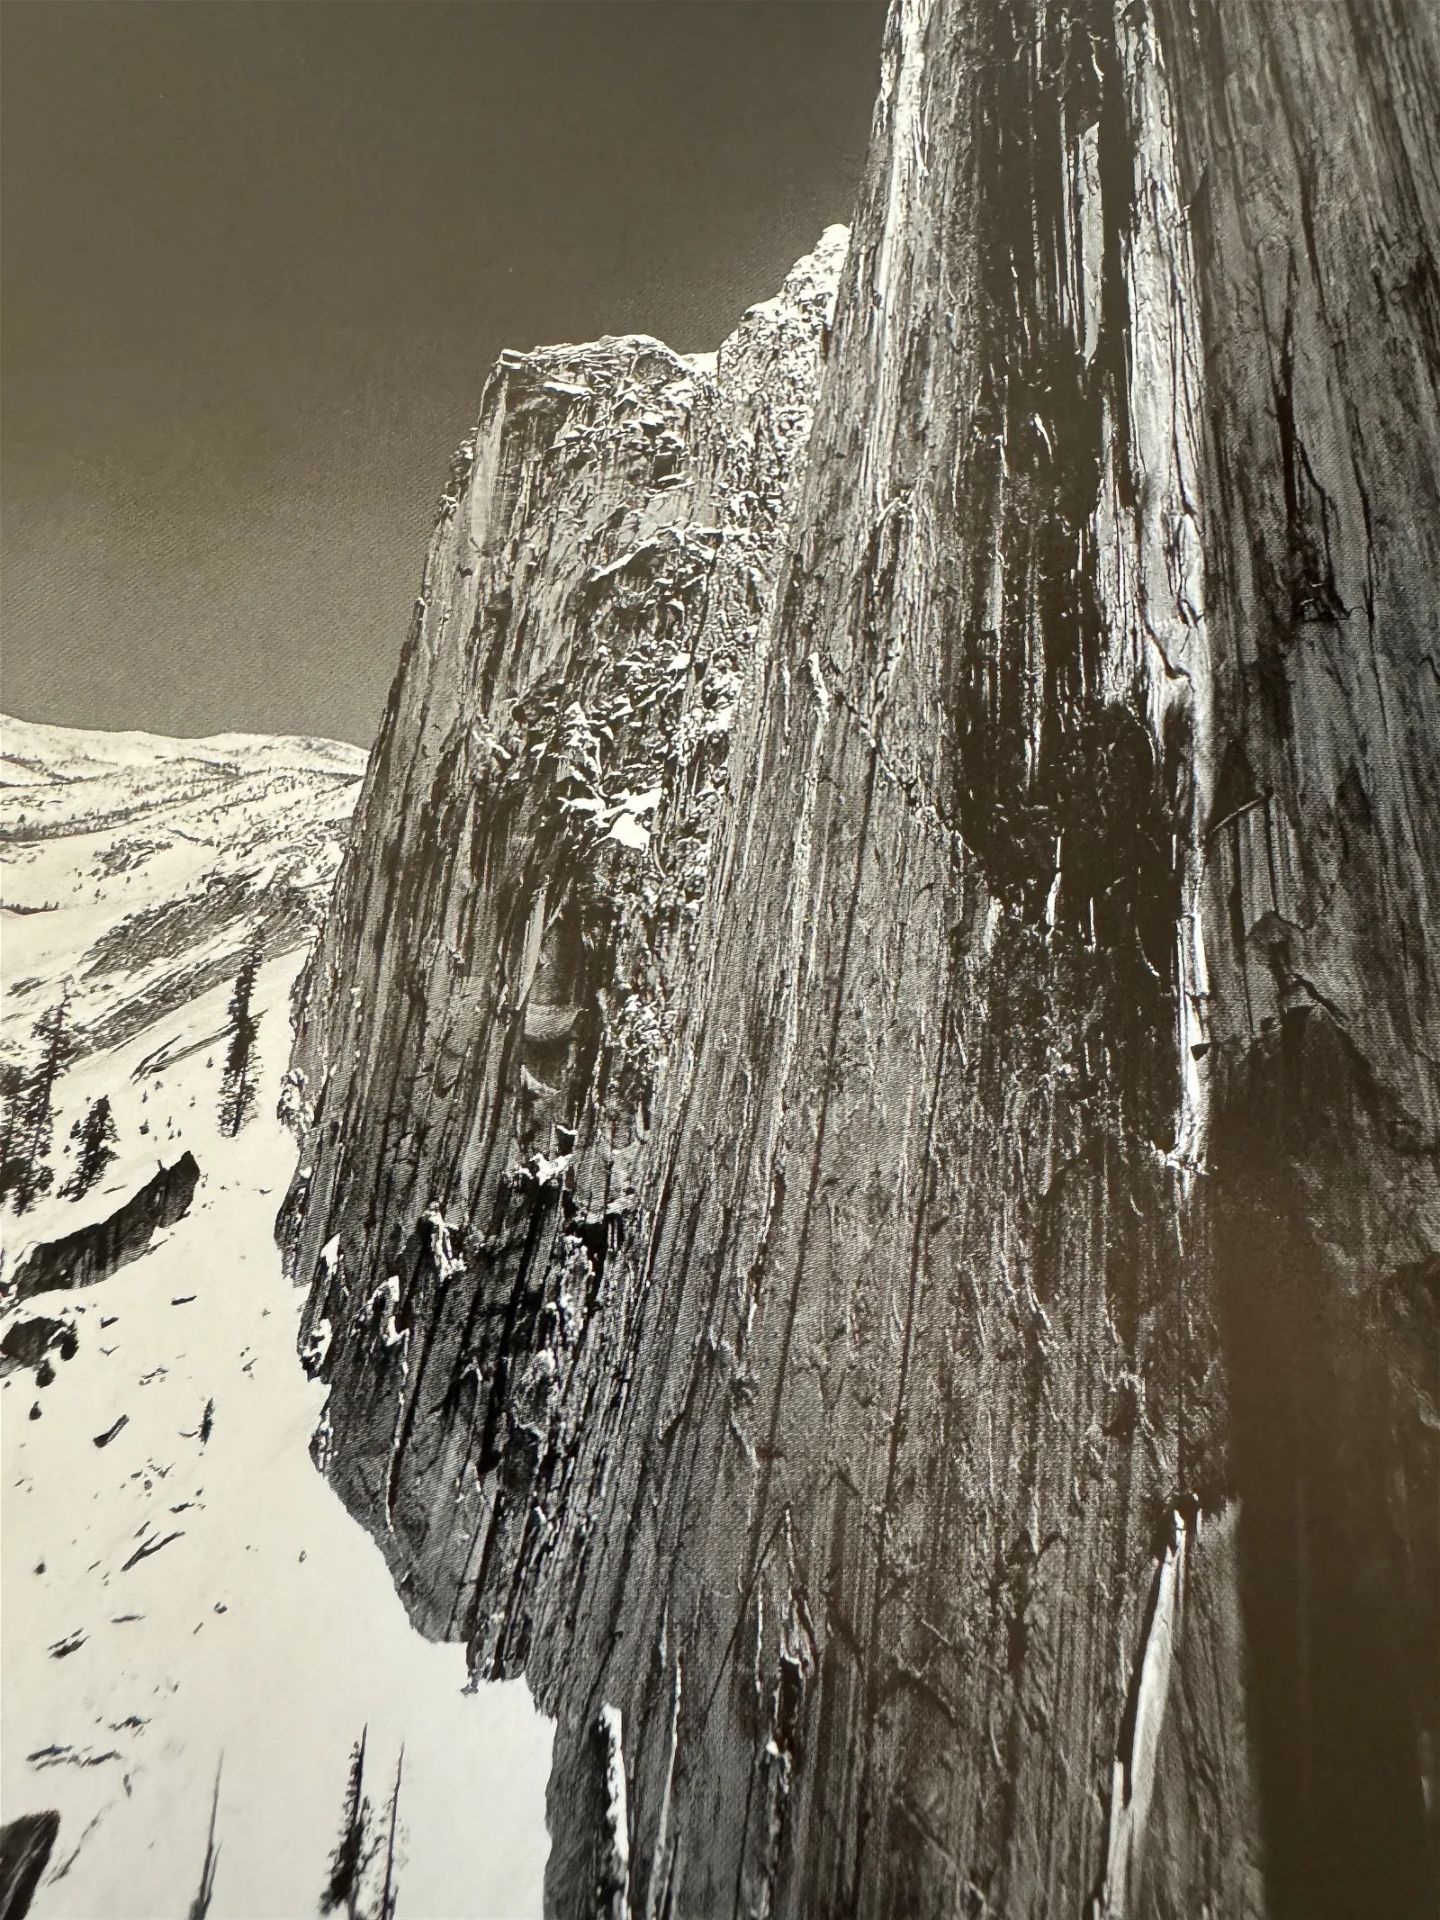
pixel 212 1596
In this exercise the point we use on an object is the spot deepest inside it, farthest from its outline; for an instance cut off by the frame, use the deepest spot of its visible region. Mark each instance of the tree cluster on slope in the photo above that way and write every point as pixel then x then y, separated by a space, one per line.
pixel 364 1867
pixel 94 1138
pixel 27 1129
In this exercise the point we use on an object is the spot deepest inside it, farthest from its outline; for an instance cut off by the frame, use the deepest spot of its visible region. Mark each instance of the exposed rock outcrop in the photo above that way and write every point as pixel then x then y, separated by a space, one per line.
pixel 949 1426
pixel 543 804
pixel 27 1342
pixel 25 1848
pixel 94 1252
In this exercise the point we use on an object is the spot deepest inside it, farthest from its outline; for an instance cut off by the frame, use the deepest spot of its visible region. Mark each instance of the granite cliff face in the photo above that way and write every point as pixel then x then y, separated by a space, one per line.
pixel 884 1249
pixel 498 982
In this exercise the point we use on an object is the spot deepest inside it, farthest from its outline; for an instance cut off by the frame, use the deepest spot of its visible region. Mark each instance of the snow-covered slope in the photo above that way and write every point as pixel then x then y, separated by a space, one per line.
pixel 32 750
pixel 139 869
pixel 190 1595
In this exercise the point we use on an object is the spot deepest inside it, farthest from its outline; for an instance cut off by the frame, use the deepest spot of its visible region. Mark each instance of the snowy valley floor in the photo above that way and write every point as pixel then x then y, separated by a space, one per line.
pixel 174 1604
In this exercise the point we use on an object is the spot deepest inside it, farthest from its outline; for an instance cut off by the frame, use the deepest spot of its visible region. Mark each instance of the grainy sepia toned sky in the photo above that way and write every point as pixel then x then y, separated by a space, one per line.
pixel 258 254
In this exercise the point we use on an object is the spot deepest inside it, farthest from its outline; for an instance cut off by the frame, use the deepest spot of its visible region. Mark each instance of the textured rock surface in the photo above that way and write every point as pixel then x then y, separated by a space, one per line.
pixel 497 982
pixel 25 1847
pixel 967 1446
pixel 92 1253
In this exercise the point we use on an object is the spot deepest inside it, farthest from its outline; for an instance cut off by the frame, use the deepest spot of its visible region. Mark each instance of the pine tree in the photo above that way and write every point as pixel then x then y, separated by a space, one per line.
pixel 12 1087
pixel 355 1849
pixel 390 1891
pixel 95 1148
pixel 200 1905
pixel 30 1110
pixel 237 1085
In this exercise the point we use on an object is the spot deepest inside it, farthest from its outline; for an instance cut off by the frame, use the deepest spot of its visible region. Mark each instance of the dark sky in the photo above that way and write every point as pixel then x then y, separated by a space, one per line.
pixel 258 257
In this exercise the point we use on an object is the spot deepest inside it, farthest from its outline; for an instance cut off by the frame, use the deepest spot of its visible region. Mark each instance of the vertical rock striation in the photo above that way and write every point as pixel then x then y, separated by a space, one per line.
pixel 498 981
pixel 1314 233
pixel 933 1376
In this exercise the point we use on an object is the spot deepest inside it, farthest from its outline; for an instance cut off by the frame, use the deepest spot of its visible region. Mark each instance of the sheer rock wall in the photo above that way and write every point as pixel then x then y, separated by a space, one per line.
pixel 951 1428
pixel 481 1027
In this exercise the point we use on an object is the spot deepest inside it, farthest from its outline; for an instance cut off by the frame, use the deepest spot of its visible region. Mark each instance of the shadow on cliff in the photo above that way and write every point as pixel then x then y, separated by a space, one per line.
pixel 1331 1352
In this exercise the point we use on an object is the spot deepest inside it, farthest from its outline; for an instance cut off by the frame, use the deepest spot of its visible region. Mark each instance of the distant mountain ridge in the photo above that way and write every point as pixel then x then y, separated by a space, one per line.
pixel 71 753
pixel 138 869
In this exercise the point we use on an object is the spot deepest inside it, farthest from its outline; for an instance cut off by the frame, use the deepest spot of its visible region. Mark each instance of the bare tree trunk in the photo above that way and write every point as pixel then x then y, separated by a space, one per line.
pixel 971 1449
